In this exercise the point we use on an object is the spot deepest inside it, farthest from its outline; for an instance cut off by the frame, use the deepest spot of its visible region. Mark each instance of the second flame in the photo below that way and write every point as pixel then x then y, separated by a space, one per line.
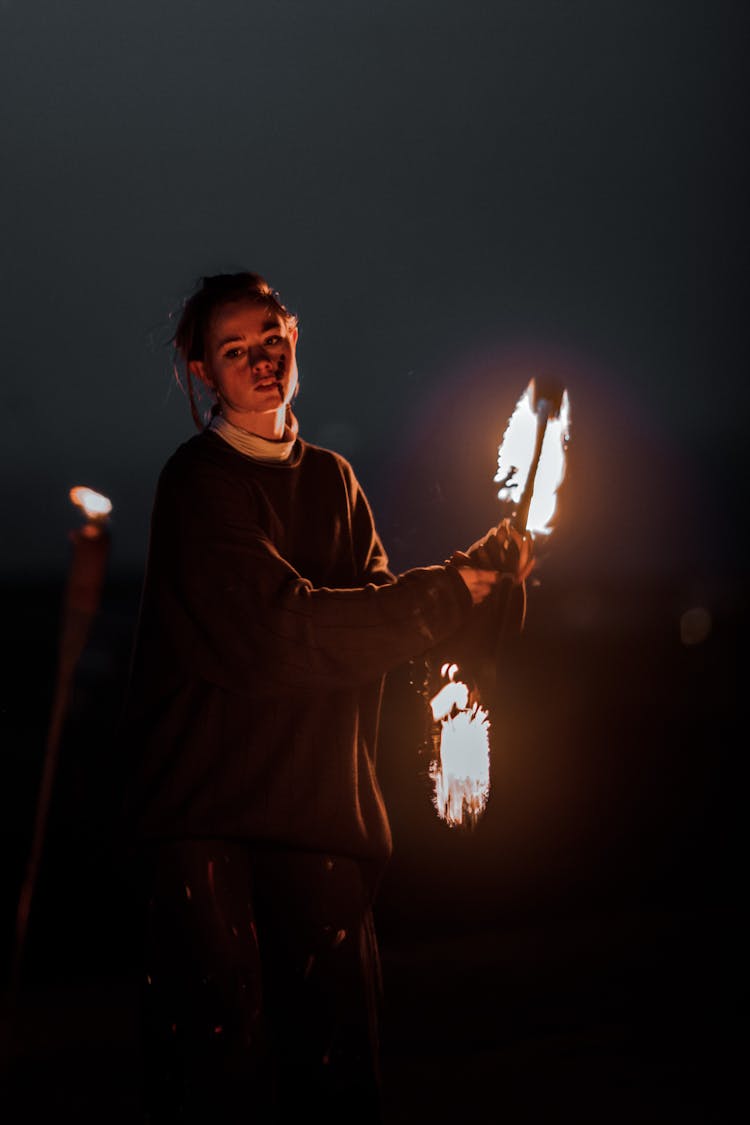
pixel 461 772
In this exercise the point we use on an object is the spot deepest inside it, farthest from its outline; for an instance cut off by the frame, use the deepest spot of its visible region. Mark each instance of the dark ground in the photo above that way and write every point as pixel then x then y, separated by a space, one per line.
pixel 575 958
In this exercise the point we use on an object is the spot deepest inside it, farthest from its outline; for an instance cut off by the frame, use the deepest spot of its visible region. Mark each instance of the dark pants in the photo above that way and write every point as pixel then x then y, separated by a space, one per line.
pixel 261 986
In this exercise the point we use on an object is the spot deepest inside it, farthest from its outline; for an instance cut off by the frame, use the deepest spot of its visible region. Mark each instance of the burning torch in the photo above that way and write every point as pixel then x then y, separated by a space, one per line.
pixel 531 457
pixel 531 465
pixel 81 600
pixel 530 469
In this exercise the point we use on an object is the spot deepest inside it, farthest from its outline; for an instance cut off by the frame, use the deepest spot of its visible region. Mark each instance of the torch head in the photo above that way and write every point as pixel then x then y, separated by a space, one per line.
pixel 92 504
pixel 547 393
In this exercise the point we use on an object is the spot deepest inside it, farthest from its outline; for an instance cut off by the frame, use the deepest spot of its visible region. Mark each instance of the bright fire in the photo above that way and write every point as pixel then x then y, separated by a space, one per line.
pixel 461 772
pixel 516 453
pixel 93 503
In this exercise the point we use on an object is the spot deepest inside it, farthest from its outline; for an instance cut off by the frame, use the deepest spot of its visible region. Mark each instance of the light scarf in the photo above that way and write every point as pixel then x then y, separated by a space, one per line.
pixel 255 446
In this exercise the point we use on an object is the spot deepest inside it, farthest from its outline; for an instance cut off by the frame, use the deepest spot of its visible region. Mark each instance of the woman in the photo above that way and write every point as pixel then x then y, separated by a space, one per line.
pixel 269 618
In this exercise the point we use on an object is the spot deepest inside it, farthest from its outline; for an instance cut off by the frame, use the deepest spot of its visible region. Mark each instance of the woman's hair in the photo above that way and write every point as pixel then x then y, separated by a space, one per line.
pixel 212 294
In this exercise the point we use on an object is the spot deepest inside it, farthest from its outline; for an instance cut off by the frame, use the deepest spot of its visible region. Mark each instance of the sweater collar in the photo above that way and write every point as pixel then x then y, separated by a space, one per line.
pixel 255 446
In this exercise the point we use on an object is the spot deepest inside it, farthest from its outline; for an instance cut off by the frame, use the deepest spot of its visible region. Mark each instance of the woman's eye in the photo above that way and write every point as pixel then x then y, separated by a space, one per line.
pixel 273 340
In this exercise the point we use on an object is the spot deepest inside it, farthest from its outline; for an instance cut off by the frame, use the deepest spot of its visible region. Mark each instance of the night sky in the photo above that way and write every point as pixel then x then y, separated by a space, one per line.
pixel 452 197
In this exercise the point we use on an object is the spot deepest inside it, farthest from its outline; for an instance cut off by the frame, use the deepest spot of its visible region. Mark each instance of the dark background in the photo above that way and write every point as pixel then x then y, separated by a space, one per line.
pixel 453 198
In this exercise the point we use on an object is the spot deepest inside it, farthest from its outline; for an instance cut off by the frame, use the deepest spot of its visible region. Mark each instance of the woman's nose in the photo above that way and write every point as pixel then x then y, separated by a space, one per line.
pixel 258 356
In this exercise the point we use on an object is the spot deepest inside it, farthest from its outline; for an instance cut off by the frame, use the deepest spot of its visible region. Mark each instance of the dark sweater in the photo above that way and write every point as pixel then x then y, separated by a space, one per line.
pixel 268 620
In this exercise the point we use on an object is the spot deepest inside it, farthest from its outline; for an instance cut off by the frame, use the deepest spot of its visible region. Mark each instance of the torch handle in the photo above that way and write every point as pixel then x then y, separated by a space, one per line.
pixel 82 595
pixel 511 617
pixel 513 597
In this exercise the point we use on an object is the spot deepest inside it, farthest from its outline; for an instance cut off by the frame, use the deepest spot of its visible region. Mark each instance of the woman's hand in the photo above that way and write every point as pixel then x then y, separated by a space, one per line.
pixel 480 583
pixel 503 550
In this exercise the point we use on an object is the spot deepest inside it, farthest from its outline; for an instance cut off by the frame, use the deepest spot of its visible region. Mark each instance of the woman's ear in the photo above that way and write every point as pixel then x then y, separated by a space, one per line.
pixel 197 369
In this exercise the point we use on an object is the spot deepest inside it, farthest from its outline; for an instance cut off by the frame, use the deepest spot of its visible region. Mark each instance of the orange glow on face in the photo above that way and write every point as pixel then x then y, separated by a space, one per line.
pixel 461 773
pixel 515 456
pixel 93 504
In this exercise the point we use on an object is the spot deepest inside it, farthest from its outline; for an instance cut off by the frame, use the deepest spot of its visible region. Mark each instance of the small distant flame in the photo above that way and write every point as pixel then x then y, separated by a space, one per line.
pixel 515 456
pixel 95 506
pixel 461 773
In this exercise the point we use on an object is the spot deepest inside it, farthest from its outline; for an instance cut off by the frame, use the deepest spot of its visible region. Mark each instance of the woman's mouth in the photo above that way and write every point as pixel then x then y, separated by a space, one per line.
pixel 271 380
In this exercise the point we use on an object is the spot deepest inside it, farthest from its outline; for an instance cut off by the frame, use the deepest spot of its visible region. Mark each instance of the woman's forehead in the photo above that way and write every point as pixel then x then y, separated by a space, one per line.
pixel 244 318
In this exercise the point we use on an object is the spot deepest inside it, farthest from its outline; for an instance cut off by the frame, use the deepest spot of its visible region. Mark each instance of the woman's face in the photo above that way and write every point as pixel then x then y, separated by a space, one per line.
pixel 250 362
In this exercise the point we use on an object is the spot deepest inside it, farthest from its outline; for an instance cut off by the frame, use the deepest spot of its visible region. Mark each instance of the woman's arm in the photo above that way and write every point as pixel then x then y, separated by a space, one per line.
pixel 244 618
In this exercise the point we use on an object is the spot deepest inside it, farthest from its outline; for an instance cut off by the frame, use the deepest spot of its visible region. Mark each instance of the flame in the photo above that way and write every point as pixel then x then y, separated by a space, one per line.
pixel 461 773
pixel 516 453
pixel 95 506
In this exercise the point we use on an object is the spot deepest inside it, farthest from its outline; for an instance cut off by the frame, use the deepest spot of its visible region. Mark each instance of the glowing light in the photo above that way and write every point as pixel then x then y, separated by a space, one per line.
pixel 516 453
pixel 461 772
pixel 92 503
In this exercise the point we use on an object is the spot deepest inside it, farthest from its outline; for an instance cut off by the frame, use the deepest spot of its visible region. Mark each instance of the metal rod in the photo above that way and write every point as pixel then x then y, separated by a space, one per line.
pixel 546 398
pixel 82 596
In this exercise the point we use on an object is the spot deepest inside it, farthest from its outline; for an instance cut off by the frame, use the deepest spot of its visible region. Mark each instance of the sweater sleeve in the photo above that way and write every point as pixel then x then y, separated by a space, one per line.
pixel 371 559
pixel 246 620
